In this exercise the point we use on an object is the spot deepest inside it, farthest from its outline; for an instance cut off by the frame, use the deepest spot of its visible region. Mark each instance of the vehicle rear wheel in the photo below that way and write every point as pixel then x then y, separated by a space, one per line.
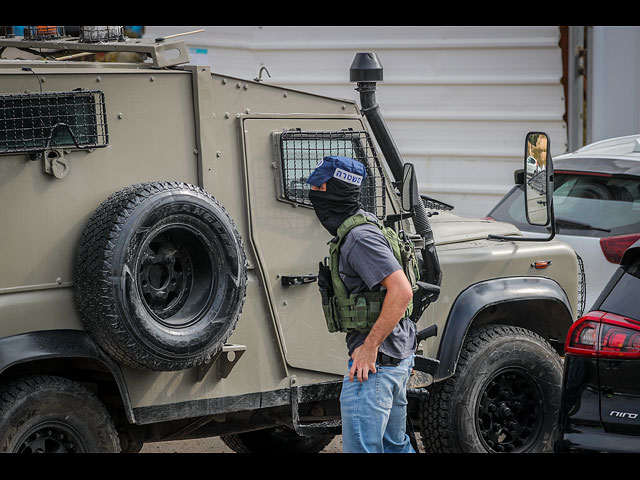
pixel 275 440
pixel 504 396
pixel 46 414
pixel 161 276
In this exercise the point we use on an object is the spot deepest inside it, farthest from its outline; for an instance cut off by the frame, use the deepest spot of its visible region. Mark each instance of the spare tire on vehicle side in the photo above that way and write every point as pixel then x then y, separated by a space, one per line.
pixel 160 276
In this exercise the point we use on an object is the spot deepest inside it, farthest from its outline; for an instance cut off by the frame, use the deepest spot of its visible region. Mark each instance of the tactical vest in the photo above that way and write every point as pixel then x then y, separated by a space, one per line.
pixel 345 312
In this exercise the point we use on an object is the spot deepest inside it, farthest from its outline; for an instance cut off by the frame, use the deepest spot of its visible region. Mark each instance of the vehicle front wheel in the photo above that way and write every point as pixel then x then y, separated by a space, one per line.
pixel 46 414
pixel 504 396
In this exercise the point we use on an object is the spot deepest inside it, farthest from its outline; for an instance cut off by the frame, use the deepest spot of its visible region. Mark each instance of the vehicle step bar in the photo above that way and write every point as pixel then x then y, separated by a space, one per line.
pixel 329 427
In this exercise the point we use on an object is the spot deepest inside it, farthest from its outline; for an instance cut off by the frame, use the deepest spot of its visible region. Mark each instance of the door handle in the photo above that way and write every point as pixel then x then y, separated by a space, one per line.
pixel 289 280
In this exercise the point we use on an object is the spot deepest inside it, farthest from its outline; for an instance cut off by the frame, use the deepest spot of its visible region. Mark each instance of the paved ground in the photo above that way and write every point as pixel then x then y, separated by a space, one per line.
pixel 215 445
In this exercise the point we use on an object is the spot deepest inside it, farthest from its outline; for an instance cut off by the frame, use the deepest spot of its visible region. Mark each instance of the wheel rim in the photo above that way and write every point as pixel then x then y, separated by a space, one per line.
pixel 176 276
pixel 51 437
pixel 509 415
pixel 165 276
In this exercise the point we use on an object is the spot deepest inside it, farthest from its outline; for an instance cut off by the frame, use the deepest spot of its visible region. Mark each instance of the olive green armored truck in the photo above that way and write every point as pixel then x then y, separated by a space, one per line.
pixel 160 257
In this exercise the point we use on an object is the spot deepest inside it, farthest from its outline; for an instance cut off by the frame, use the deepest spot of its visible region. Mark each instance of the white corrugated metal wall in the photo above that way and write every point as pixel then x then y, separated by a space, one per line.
pixel 458 100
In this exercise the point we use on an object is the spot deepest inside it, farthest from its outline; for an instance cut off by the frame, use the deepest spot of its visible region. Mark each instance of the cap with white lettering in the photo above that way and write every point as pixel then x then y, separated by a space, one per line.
pixel 342 168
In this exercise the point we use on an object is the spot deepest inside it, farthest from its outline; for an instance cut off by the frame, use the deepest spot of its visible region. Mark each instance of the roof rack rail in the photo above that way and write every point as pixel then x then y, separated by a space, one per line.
pixel 163 52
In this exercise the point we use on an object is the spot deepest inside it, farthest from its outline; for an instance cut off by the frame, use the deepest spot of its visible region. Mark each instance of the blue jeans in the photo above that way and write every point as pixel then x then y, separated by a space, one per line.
pixel 374 411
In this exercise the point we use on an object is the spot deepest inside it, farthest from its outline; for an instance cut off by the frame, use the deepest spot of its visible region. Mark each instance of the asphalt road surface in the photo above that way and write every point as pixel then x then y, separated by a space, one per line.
pixel 214 445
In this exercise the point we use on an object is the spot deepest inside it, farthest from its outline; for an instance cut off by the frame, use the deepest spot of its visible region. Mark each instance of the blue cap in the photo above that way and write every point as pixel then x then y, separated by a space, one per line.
pixel 343 168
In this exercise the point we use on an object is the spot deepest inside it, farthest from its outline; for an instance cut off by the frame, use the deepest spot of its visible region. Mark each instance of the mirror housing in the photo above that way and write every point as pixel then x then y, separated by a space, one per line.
pixel 537 181
pixel 409 194
pixel 518 177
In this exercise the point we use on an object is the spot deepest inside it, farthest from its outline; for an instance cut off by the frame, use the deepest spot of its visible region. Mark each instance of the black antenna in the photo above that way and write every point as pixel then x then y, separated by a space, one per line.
pixel 28 69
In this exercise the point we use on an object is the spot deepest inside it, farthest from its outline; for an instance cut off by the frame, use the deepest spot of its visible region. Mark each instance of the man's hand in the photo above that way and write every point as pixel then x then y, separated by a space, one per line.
pixel 364 361
pixel 398 296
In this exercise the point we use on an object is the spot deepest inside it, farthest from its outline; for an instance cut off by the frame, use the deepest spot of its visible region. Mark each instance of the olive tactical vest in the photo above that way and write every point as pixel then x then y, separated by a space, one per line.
pixel 345 312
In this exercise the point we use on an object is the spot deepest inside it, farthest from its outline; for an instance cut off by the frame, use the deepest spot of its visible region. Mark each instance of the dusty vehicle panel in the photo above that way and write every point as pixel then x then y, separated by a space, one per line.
pixel 38 286
pixel 478 260
pixel 61 208
pixel 248 145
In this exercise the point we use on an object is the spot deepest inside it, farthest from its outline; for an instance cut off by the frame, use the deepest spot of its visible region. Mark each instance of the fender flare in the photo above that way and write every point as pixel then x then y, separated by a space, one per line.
pixel 50 344
pixel 483 295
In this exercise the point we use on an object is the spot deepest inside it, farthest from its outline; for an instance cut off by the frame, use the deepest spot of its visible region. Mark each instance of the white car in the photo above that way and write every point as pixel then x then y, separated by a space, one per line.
pixel 597 206
pixel 532 166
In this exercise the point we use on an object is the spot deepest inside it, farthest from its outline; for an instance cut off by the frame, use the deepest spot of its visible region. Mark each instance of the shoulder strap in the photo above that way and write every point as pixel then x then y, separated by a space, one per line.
pixel 361 219
pixel 334 250
pixel 352 222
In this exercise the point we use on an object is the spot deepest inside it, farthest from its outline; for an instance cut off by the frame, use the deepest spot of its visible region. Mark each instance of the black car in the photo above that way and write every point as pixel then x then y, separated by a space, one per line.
pixel 600 409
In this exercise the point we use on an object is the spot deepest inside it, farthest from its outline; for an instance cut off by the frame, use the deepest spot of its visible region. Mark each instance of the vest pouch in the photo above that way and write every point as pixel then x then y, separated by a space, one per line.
pixel 346 312
pixel 359 311
pixel 330 315
pixel 364 313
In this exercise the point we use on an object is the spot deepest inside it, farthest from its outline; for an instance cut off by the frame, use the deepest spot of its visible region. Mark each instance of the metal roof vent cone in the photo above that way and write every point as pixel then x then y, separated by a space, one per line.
pixel 101 34
pixel 366 68
pixel 43 33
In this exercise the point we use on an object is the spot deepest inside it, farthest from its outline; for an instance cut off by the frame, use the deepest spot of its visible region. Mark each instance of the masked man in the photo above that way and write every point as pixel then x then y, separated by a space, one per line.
pixel 373 398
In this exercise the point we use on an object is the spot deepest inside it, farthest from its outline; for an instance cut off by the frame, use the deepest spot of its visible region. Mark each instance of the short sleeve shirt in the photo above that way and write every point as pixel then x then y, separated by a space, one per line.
pixel 366 259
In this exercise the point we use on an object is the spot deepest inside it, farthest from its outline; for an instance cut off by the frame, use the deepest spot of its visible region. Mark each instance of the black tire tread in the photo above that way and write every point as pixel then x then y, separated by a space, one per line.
pixel 435 411
pixel 15 390
pixel 93 264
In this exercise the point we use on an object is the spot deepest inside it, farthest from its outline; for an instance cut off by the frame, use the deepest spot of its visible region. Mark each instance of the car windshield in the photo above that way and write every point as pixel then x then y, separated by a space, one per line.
pixel 584 204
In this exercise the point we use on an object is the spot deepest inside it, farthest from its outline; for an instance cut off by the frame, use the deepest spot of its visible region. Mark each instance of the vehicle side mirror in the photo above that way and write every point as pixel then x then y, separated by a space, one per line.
pixel 537 179
pixel 518 177
pixel 409 194
pixel 537 171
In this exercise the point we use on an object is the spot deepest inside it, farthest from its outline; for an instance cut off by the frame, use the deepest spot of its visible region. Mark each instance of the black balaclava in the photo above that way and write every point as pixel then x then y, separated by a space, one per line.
pixel 340 201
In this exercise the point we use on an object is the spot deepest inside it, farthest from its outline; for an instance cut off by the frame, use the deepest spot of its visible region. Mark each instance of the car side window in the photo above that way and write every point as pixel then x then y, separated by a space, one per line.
pixel 300 151
pixel 604 202
pixel 610 205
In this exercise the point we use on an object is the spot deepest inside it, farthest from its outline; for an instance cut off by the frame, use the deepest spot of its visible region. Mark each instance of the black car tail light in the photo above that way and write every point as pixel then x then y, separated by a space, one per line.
pixel 606 335
pixel 582 338
pixel 614 247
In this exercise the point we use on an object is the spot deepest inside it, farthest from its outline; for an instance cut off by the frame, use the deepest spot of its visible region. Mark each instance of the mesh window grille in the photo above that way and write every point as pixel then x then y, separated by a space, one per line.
pixel 32 122
pixel 300 152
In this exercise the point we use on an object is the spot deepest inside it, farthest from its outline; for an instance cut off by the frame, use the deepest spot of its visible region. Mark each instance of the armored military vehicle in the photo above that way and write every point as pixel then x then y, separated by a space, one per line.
pixel 159 261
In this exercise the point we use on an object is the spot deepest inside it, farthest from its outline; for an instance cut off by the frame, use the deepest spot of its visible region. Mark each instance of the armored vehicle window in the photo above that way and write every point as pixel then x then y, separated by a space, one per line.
pixel 301 151
pixel 31 122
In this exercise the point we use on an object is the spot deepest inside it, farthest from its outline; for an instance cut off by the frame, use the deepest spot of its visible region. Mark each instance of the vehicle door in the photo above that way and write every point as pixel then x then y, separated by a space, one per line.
pixel 287 239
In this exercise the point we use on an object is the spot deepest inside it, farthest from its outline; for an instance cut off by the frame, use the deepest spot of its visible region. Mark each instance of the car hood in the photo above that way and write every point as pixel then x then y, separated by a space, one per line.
pixel 450 228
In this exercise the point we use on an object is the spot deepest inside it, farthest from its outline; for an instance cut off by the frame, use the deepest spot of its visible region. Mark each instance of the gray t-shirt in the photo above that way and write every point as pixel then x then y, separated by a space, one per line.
pixel 366 259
